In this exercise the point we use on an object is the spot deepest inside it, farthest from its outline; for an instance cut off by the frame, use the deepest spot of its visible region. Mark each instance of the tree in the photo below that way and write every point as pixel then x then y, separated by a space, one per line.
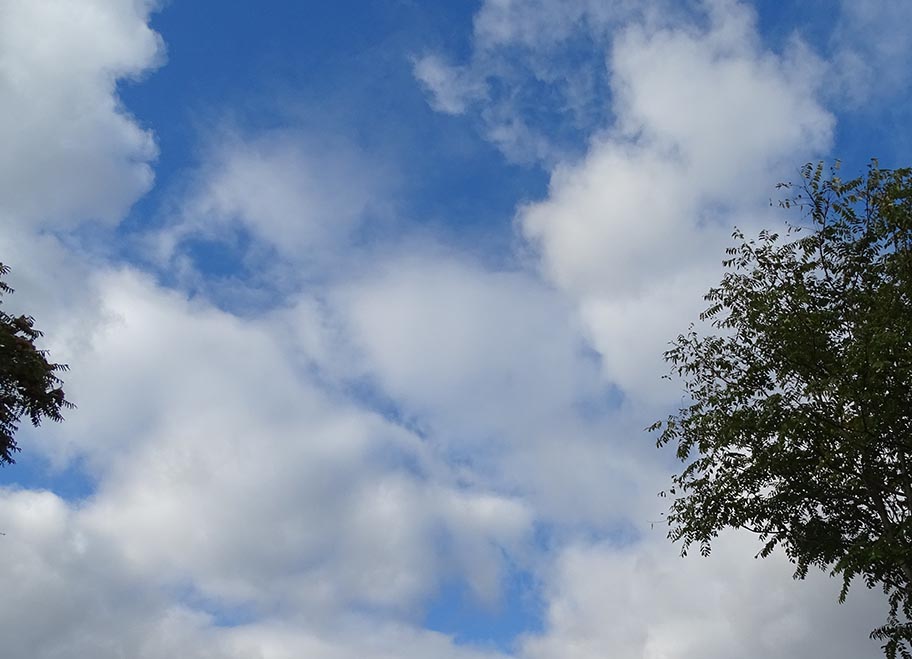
pixel 29 384
pixel 797 421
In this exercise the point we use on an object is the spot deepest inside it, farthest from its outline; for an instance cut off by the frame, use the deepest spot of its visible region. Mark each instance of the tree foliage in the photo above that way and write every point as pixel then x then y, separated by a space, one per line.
pixel 29 384
pixel 797 423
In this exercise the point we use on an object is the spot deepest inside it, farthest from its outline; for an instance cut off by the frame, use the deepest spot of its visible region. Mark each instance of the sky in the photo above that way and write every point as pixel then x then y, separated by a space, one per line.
pixel 364 304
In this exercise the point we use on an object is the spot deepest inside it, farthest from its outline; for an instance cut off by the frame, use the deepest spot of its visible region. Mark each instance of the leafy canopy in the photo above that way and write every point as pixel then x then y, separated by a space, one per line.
pixel 29 384
pixel 798 421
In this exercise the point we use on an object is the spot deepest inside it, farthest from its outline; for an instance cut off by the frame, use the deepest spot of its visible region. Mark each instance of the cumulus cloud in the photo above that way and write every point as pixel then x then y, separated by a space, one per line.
pixel 285 193
pixel 71 152
pixel 703 120
pixel 229 477
pixel 234 473
pixel 645 602
pixel 446 336
pixel 94 603
pixel 633 602
pixel 321 468
pixel 91 603
pixel 492 368
pixel 706 121
pixel 225 474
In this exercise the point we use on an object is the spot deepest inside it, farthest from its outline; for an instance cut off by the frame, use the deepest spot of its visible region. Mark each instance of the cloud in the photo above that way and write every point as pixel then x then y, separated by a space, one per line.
pixel 540 24
pixel 222 467
pixel 286 192
pixel 871 50
pixel 451 88
pixel 301 481
pixel 224 472
pixel 444 335
pixel 93 603
pixel 492 369
pixel 702 120
pixel 220 464
pixel 229 478
pixel 641 601
pixel 71 152
pixel 536 80
pixel 645 602
pixel 707 121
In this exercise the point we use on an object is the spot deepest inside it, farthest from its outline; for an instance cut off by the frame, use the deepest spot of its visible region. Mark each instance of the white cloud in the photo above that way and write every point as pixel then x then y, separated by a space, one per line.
pixel 638 602
pixel 645 602
pixel 447 336
pixel 539 24
pixel 327 465
pixel 452 89
pixel 493 369
pixel 222 465
pixel 352 641
pixel 70 595
pixel 71 152
pixel 536 76
pixel 94 604
pixel 225 471
pixel 707 121
pixel 871 50
pixel 298 194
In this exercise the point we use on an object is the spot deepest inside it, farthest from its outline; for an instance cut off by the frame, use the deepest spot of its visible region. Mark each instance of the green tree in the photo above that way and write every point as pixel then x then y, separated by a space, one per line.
pixel 29 384
pixel 797 421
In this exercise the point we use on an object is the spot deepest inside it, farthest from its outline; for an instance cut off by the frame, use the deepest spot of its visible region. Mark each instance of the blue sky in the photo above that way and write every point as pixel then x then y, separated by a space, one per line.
pixel 364 304
pixel 341 70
